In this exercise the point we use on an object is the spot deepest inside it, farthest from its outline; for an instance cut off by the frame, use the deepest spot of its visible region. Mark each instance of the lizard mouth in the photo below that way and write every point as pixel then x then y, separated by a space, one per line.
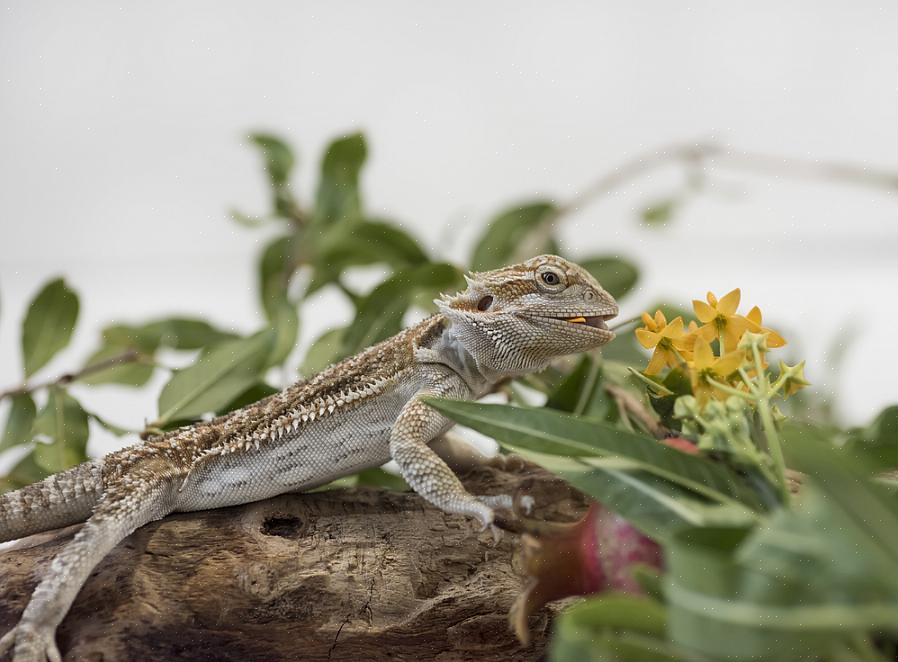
pixel 594 321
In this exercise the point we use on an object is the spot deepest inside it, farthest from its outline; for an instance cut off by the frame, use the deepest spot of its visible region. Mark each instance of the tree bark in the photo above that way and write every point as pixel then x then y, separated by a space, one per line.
pixel 356 574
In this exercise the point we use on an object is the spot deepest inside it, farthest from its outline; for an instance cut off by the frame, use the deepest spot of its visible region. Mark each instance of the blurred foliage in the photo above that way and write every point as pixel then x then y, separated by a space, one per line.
pixel 749 576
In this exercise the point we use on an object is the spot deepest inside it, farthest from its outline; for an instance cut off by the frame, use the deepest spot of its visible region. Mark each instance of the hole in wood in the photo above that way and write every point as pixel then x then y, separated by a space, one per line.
pixel 285 526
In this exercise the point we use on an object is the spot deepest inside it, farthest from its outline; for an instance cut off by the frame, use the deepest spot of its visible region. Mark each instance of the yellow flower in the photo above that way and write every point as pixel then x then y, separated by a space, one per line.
pixel 666 338
pixel 720 319
pixel 707 366
pixel 754 324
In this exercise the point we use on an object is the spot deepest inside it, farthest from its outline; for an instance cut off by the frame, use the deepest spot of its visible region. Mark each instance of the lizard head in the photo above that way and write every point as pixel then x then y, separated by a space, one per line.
pixel 517 319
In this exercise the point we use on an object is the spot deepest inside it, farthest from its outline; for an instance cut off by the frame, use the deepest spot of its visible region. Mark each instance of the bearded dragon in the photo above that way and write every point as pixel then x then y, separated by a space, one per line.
pixel 359 413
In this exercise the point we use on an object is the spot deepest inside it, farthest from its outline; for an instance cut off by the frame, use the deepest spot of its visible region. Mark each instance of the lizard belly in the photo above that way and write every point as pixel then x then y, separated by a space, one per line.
pixel 322 451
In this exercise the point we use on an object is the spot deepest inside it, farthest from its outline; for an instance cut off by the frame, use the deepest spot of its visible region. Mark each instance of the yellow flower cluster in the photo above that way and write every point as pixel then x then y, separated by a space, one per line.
pixel 689 347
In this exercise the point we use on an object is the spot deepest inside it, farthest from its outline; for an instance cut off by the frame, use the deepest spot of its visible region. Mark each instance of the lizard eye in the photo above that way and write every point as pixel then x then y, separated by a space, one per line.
pixel 550 279
pixel 485 303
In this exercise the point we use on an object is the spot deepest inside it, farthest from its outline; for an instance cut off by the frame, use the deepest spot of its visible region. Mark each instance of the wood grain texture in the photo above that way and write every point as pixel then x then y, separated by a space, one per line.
pixel 339 575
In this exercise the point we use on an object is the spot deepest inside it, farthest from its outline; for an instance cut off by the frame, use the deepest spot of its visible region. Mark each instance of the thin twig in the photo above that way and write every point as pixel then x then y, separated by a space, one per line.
pixel 704 154
pixel 128 356
pixel 629 404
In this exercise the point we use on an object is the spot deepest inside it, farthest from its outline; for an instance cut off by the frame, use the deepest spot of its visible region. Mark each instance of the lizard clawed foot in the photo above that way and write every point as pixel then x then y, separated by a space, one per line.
pixel 31 644
pixel 506 501
pixel 485 518
pixel 510 463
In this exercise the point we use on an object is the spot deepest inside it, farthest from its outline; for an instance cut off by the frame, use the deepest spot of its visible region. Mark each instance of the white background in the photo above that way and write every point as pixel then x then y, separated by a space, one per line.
pixel 122 148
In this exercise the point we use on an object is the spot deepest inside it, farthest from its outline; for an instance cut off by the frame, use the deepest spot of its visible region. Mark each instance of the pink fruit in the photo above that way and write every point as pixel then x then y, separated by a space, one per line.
pixel 596 554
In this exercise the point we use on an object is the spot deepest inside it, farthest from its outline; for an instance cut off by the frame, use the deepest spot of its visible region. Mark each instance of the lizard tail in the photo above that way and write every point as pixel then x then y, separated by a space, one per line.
pixel 59 500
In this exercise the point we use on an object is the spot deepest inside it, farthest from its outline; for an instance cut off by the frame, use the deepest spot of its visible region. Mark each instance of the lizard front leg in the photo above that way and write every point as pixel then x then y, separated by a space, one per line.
pixel 116 516
pixel 461 455
pixel 427 474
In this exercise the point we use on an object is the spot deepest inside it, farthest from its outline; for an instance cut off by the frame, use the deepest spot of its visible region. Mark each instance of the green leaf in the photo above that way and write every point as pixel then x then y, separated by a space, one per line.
pixel 878 442
pixel 613 628
pixel 657 507
pixel 615 275
pixel 361 243
pixel 109 426
pixel 183 333
pixel 550 432
pixel 254 393
pixel 278 157
pixel 249 221
pixel 323 352
pixel 869 511
pixel 48 324
pixel 219 375
pixel 581 391
pixel 134 373
pixel 187 333
pixel 370 242
pixel 339 198
pixel 276 267
pixel 380 313
pixel 810 578
pixel 659 212
pixel 65 422
pixel 25 472
pixel 131 336
pixel 726 608
pixel 19 421
pixel 512 234
pixel 286 326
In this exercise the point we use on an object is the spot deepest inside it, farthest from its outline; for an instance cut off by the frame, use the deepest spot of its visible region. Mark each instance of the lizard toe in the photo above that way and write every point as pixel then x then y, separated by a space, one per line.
pixel 509 463
pixel 7 641
pixel 507 502
pixel 31 644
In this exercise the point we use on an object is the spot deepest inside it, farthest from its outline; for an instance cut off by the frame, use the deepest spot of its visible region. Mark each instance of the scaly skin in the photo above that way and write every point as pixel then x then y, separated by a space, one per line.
pixel 358 413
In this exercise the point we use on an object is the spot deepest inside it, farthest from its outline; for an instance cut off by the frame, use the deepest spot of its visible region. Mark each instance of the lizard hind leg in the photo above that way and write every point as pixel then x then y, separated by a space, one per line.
pixel 115 517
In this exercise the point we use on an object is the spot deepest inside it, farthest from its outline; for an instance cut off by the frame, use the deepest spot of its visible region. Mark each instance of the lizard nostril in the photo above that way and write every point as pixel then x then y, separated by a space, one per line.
pixel 589 295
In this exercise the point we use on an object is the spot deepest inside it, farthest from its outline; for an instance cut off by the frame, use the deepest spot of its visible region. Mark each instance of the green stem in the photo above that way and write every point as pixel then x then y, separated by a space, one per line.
pixel 729 389
pixel 774 447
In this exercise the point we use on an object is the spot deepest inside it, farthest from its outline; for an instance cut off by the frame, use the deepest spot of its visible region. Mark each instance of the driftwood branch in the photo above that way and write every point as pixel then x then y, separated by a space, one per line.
pixel 359 574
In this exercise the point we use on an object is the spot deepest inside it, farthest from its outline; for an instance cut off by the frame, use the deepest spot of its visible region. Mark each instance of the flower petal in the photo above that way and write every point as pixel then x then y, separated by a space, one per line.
pixel 674 329
pixel 729 303
pixel 646 338
pixel 774 339
pixel 656 363
pixel 704 356
pixel 728 364
pixel 754 315
pixel 703 311
pixel 708 332
pixel 649 322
